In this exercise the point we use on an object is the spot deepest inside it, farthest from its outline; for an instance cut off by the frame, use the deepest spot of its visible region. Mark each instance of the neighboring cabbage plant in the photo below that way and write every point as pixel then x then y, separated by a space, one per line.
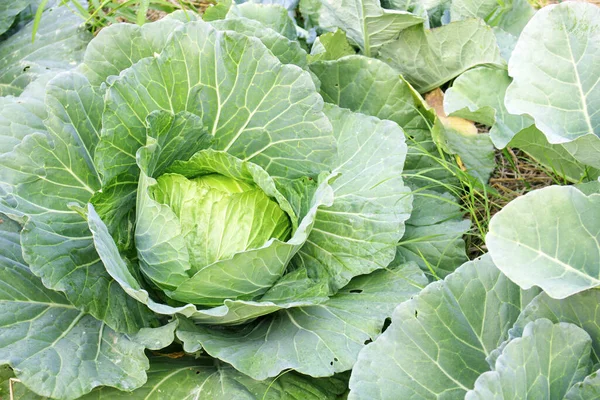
pixel 187 182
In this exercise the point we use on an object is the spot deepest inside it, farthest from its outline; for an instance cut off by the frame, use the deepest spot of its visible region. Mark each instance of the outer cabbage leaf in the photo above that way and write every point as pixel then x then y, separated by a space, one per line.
pixel 580 309
pixel 119 46
pixel 9 10
pixel 367 24
pixel 438 341
pixel 433 237
pixel 511 16
pixel 54 348
pixel 372 87
pixel 478 95
pixel 549 238
pixel 555 157
pixel 286 50
pixel 358 233
pixel 588 389
pixel 429 58
pixel 59 45
pixel 41 178
pixel 555 80
pixel 238 105
pixel 544 363
pixel 317 340
pixel 19 117
pixel 273 16
pixel 331 46
pixel 205 378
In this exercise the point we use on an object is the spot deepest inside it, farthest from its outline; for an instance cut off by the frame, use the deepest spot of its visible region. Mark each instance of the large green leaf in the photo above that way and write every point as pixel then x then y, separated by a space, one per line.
pixel 19 117
pixel 555 157
pixel 434 232
pixel 272 16
pixel 366 23
pixel 55 349
pixel 331 46
pixel 549 238
pixel 542 364
pixel 555 79
pixel 429 58
pixel 511 15
pixel 119 46
pixel 59 44
pixel 585 149
pixel 478 95
pixel 581 309
pixel 205 378
pixel 318 340
pixel 255 108
pixel 372 87
pixel 475 150
pixel 588 389
pixel 9 10
pixel 286 50
pixel 358 233
pixel 438 341
pixel 42 177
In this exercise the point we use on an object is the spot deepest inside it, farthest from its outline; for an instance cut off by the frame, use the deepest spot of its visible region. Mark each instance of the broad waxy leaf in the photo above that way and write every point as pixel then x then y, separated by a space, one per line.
pixel 511 15
pixel 316 340
pixel 555 157
pixel 119 46
pixel 544 363
pixel 478 95
pixel 588 389
pixel 58 46
pixel 331 46
pixel 372 87
pixel 460 137
pixel 286 50
pixel 367 24
pixel 246 120
pixel 555 78
pixel 273 16
pixel 434 232
pixel 438 341
pixel 42 177
pixel 580 309
pixel 19 117
pixel 9 10
pixel 358 233
pixel 549 238
pixel 429 58
pixel 585 149
pixel 205 378
pixel 55 349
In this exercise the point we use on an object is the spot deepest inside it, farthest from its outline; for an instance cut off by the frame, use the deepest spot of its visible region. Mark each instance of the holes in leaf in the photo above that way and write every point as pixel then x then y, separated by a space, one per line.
pixel 367 342
pixel 26 68
pixel 386 323
pixel 416 313
pixel 356 291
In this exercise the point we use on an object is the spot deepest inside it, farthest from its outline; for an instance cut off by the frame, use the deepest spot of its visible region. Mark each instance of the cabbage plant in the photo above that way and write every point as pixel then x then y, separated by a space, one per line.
pixel 187 183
